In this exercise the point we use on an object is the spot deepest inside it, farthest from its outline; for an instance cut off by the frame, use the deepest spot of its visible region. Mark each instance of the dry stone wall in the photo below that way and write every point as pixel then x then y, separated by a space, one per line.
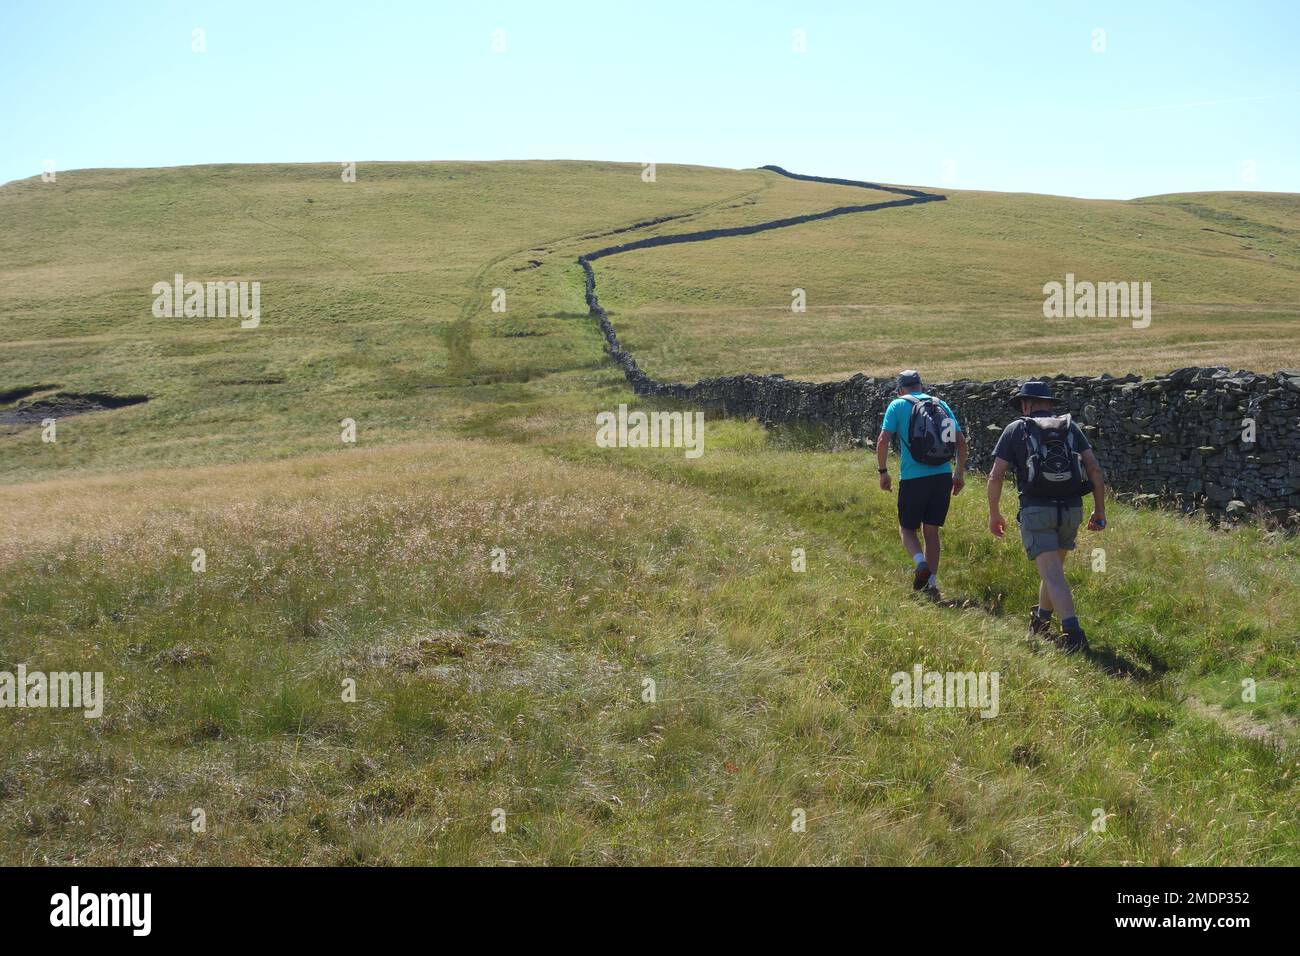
pixel 1227 442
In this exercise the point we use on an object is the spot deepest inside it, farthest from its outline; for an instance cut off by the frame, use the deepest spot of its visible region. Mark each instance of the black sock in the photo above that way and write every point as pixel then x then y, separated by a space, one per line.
pixel 1043 614
pixel 1070 623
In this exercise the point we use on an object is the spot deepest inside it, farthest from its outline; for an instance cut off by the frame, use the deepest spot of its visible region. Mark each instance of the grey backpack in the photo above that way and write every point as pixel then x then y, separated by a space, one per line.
pixel 931 434
pixel 1053 466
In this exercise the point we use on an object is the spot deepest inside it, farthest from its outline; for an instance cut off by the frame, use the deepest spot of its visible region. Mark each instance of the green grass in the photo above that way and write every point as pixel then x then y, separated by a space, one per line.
pixel 523 690
pixel 968 273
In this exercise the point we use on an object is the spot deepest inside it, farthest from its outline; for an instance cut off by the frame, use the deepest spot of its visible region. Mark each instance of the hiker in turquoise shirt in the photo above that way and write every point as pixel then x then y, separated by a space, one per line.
pixel 925 488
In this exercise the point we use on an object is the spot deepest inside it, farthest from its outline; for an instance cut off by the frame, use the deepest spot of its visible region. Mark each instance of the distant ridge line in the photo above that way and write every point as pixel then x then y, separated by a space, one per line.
pixel 853 182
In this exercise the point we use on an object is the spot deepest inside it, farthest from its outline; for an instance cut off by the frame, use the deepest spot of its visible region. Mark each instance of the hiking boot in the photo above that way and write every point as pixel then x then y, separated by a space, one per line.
pixel 1074 641
pixel 932 592
pixel 922 577
pixel 1037 626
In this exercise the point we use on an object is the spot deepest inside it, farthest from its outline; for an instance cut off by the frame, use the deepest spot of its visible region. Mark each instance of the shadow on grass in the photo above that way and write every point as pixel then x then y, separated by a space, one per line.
pixel 1111 663
pixel 1116 665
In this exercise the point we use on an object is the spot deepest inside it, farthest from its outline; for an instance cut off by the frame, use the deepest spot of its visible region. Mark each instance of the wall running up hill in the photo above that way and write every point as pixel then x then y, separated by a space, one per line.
pixel 1181 438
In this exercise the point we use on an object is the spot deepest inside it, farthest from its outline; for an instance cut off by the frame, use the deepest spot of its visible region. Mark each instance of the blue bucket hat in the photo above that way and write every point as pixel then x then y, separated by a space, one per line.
pixel 1034 390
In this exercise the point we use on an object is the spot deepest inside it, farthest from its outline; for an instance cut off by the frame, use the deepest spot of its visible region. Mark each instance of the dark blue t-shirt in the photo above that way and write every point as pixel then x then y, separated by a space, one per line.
pixel 1013 449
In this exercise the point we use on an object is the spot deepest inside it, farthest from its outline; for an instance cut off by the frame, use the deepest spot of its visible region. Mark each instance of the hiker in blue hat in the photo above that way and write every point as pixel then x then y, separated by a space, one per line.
pixel 1054 467
pixel 929 438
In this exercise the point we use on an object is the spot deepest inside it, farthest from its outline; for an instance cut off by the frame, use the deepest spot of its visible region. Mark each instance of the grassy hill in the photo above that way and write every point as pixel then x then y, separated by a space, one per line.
pixel 969 273
pixel 522 689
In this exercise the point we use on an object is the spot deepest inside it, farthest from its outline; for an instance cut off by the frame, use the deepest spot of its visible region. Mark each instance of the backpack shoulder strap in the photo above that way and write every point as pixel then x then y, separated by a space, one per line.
pixel 1029 433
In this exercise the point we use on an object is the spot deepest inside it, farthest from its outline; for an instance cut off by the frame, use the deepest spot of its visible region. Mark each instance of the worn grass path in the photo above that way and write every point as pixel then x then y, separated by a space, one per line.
pixel 1106 658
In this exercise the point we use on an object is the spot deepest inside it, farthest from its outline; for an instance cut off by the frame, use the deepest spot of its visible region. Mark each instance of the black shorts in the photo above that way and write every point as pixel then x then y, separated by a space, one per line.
pixel 924 500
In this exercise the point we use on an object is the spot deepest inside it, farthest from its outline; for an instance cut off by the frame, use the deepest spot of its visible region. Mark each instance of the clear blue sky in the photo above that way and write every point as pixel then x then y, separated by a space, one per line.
pixel 1187 95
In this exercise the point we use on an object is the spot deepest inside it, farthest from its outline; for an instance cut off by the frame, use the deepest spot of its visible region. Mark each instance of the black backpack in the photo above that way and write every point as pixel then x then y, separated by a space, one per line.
pixel 1053 465
pixel 931 434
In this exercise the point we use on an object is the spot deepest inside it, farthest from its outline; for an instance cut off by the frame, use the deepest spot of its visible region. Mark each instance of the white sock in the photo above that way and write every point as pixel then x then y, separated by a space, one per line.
pixel 918 559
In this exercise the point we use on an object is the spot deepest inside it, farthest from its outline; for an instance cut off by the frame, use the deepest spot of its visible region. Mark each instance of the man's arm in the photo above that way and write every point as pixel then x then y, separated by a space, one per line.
pixel 959 475
pixel 882 457
pixel 997 523
pixel 1098 519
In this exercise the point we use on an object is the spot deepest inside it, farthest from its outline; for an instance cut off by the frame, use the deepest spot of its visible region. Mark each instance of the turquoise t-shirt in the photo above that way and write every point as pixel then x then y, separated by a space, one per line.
pixel 897 416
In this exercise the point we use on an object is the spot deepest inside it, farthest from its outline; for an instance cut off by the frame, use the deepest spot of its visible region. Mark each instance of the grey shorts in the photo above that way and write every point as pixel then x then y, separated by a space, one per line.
pixel 1045 528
